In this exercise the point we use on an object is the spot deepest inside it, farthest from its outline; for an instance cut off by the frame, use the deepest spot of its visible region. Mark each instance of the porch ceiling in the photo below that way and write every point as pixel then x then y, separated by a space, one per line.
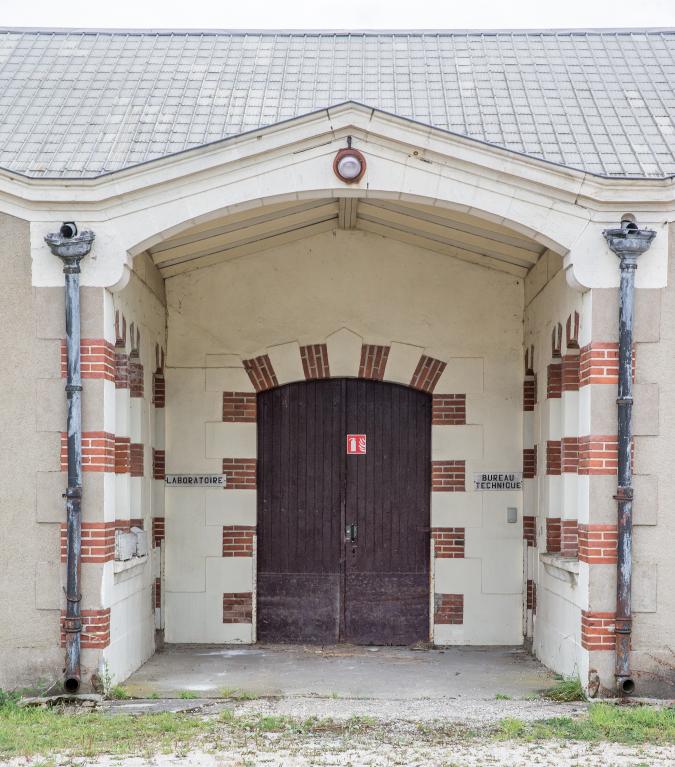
pixel 448 232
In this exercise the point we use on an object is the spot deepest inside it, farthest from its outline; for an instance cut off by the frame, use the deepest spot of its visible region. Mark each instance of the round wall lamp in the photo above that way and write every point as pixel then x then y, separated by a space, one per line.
pixel 349 165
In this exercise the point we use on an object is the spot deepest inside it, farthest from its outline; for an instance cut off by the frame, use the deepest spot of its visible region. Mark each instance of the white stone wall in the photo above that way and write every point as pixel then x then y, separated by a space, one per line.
pixel 344 289
pixel 129 590
pixel 561 594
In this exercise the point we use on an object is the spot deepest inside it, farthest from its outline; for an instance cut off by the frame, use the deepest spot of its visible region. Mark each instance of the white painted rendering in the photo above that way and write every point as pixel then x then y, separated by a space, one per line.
pixel 343 289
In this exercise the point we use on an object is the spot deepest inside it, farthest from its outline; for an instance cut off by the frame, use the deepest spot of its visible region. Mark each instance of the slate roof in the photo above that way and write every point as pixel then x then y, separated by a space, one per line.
pixel 83 103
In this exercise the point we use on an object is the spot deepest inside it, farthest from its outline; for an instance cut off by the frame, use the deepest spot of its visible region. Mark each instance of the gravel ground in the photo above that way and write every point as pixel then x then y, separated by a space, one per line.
pixel 472 713
pixel 271 751
pixel 393 740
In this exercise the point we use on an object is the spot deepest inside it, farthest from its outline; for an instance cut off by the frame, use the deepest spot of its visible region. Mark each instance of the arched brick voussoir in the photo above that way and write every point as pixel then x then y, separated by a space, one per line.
pixel 261 372
pixel 315 361
pixel 373 361
pixel 427 373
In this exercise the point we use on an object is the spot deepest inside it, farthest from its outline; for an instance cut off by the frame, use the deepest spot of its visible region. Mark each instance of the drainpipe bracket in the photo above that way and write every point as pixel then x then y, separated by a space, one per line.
pixel 623 626
pixel 624 494
pixel 72 626
pixel 73 492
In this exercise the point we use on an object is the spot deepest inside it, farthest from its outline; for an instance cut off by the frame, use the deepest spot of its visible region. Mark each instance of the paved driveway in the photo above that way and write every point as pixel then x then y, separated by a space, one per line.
pixel 341 671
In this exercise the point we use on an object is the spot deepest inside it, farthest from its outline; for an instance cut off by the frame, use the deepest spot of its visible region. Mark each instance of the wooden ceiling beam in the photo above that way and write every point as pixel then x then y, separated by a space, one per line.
pixel 455 237
pixel 260 229
pixel 435 246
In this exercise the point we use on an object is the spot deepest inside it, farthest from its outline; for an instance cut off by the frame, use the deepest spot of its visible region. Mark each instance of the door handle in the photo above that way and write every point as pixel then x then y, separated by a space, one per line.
pixel 352 532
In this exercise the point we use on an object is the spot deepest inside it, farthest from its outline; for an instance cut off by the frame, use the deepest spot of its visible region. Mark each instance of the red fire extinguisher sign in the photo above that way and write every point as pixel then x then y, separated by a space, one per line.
pixel 356 444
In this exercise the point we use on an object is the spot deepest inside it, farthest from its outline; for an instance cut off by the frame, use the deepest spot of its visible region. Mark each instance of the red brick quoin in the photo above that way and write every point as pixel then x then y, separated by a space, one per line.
pixel 240 473
pixel 599 363
pixel 598 454
pixel 238 540
pixel 553 457
pixel 95 629
pixel 157 531
pixel 238 607
pixel 598 544
pixel 529 394
pixel 570 372
pixel 569 450
pixel 122 455
pixel 121 368
pixel 448 409
pixel 98 451
pixel 448 542
pixel 553 535
pixel 569 538
pixel 158 463
pixel 530 530
pixel 597 630
pixel 532 596
pixel 530 462
pixel 158 389
pixel 97 359
pixel 239 407
pixel 136 459
pixel 136 376
pixel 98 542
pixel 554 381
pixel 449 609
pixel 448 476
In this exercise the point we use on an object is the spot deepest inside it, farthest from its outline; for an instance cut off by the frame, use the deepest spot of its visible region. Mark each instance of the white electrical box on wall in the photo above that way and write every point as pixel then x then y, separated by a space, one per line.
pixel 125 545
pixel 141 541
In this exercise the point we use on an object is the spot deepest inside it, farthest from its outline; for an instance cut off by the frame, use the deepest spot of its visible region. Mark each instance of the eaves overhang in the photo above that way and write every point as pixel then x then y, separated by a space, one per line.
pixel 328 124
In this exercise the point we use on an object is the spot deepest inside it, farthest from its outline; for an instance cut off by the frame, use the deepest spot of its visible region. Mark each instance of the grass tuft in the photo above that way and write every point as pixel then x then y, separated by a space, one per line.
pixel 8 698
pixel 235 694
pixel 566 691
pixel 187 695
pixel 27 732
pixel 118 693
pixel 604 722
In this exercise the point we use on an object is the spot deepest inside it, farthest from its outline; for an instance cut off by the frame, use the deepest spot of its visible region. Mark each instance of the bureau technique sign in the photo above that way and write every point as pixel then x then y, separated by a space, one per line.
pixel 498 481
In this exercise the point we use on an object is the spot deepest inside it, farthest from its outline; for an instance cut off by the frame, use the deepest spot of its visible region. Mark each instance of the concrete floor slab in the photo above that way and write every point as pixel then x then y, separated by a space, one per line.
pixel 342 671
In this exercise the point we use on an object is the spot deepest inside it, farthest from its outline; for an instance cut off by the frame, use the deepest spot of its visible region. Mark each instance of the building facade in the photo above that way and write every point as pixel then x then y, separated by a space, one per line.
pixel 407 378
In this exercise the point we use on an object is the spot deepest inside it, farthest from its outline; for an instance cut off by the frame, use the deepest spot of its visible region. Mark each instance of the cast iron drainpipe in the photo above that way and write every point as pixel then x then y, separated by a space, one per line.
pixel 627 242
pixel 71 248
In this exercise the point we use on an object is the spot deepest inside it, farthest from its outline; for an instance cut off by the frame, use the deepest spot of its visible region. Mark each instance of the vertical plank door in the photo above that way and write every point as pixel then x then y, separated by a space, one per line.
pixel 386 591
pixel 300 485
pixel 343 540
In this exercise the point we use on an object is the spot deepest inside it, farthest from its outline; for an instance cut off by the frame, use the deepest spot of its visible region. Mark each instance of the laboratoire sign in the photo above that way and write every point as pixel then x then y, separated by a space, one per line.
pixel 493 480
pixel 195 480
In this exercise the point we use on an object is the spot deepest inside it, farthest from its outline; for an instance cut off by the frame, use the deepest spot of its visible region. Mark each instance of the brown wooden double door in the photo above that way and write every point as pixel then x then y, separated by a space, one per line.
pixel 343 540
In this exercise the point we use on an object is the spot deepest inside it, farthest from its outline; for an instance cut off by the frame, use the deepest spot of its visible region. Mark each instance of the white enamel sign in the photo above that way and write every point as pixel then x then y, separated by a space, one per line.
pixel 195 480
pixel 494 480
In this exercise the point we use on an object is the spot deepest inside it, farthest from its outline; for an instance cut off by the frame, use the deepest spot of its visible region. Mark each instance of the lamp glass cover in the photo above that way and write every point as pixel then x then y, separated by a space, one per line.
pixel 349 166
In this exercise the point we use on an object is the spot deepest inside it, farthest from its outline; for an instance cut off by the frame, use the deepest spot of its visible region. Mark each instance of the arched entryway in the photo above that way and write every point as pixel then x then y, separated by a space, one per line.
pixel 344 474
